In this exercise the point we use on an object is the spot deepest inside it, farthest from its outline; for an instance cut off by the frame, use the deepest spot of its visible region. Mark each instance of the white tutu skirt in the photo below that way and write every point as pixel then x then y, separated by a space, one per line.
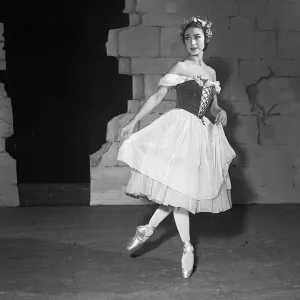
pixel 179 161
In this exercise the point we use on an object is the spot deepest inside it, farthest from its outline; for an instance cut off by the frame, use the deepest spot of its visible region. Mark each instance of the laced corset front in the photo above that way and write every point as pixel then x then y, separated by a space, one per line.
pixel 193 94
pixel 193 98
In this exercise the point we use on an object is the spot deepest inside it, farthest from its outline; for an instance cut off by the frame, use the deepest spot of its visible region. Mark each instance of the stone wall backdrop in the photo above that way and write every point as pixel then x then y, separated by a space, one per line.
pixel 255 51
pixel 8 175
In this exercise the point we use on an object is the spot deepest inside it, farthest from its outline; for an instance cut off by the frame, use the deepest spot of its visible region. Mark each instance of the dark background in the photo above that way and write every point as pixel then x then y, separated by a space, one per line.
pixel 64 89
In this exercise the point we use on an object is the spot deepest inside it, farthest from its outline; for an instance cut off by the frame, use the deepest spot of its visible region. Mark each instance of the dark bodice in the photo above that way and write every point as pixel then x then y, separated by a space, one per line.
pixel 189 96
pixel 193 94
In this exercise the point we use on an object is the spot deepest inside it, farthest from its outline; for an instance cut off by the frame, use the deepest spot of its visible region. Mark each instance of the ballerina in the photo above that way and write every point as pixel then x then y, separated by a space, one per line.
pixel 181 159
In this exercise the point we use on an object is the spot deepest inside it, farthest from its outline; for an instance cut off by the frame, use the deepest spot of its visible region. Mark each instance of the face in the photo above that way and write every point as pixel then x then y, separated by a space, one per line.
pixel 194 40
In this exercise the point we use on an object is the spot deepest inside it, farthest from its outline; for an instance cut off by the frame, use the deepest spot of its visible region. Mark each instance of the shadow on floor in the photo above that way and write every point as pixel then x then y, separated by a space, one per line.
pixel 202 225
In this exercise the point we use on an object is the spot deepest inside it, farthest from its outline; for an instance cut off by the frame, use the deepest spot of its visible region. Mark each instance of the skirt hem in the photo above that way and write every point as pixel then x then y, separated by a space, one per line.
pixel 193 205
pixel 161 203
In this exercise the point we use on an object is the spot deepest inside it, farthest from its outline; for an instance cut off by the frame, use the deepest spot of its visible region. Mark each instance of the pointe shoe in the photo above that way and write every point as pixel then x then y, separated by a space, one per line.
pixel 187 261
pixel 141 236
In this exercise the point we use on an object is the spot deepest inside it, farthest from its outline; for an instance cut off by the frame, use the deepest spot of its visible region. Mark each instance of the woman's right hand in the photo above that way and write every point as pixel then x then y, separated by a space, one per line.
pixel 127 130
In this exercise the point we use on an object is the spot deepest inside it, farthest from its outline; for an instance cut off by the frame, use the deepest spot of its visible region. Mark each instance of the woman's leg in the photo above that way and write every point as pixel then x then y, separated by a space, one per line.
pixel 182 221
pixel 144 232
pixel 159 215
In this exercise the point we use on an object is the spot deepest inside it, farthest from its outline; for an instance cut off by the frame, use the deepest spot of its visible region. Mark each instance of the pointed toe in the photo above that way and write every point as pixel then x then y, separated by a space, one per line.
pixel 186 273
pixel 142 234
pixel 187 261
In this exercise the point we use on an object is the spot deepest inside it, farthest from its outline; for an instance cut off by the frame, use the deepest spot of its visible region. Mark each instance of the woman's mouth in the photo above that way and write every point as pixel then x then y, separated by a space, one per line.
pixel 194 49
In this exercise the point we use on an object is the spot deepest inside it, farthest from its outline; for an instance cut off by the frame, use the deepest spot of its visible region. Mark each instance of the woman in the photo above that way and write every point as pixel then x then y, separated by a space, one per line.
pixel 181 160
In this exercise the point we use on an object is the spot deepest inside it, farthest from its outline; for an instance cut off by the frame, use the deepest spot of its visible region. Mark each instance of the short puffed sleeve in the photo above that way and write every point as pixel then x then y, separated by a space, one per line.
pixel 171 80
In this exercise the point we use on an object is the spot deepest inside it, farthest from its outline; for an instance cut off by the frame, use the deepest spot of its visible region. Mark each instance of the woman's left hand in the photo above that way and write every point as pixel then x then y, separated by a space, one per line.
pixel 221 118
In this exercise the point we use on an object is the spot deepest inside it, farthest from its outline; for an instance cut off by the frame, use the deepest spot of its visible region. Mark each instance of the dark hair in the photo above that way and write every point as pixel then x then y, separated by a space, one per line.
pixel 196 25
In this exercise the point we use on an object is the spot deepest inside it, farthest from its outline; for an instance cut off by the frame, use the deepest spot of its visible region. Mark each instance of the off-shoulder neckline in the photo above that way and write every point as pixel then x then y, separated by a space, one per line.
pixel 172 80
pixel 186 78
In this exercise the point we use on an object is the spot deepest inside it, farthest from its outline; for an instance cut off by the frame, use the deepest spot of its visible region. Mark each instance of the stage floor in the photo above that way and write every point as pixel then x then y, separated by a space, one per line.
pixel 64 253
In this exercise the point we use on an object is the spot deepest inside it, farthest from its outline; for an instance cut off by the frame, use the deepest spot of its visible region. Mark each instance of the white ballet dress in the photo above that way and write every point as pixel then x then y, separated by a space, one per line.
pixel 182 159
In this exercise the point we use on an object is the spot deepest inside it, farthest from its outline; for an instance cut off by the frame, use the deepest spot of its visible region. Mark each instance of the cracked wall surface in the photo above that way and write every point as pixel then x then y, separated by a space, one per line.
pixel 8 176
pixel 255 51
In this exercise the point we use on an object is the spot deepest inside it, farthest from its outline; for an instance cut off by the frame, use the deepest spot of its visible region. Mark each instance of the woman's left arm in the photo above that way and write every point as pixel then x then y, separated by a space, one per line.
pixel 215 108
pixel 217 112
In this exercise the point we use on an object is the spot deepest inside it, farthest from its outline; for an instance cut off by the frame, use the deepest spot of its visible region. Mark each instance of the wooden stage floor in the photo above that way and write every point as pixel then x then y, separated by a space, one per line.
pixel 64 253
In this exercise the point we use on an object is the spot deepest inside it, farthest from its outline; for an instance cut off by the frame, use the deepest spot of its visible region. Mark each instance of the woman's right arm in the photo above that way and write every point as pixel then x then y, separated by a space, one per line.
pixel 157 97
pixel 150 103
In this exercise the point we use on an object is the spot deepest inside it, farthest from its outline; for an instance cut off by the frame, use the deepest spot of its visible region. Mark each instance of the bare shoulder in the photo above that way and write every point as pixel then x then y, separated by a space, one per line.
pixel 212 72
pixel 178 68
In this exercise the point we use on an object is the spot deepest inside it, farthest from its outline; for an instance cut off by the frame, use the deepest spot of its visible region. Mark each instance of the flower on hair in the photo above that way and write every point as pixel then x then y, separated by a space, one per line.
pixel 205 24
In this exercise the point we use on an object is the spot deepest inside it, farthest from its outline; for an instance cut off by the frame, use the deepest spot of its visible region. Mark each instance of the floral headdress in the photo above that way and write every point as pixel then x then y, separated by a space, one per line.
pixel 206 25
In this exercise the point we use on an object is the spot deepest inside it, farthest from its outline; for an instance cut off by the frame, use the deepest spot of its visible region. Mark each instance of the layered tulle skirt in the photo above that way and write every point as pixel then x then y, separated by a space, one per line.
pixel 179 161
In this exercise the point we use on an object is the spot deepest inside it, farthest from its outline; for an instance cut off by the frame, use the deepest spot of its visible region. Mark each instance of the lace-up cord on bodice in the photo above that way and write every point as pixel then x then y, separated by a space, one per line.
pixel 174 81
pixel 204 102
